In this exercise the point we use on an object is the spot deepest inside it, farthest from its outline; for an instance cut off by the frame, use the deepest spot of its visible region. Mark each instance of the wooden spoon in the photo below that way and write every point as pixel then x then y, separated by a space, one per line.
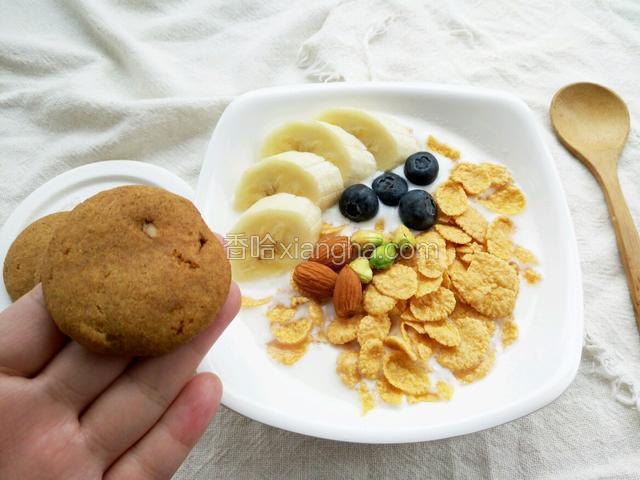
pixel 593 123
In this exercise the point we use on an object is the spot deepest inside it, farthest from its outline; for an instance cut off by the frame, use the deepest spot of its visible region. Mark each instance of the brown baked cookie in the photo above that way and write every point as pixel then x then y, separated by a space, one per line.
pixel 135 271
pixel 21 271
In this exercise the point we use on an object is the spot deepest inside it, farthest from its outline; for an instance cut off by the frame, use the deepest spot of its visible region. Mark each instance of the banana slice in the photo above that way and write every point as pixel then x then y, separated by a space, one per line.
pixel 272 235
pixel 330 142
pixel 388 141
pixel 299 173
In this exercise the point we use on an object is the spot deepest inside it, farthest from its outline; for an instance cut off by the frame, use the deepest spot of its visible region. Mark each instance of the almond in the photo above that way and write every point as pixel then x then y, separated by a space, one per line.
pixel 347 294
pixel 314 279
pixel 334 252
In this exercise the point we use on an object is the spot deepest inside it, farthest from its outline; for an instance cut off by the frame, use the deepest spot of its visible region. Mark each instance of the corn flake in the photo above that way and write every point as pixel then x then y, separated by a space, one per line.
pixel 445 333
pixel 499 238
pixel 347 368
pixel 343 330
pixel 443 148
pixel 531 276
pixel 473 177
pixel 249 302
pixel 330 230
pixel 509 332
pixel 388 393
pixel 371 327
pixel 427 285
pixel 472 349
pixel 473 224
pixel 399 282
pixel 399 343
pixel 489 285
pixel 433 306
pixel 291 332
pixel 281 314
pixel 453 234
pixel 287 354
pixel 499 174
pixel 477 373
pixel 451 198
pixel 508 200
pixel 525 256
pixel 376 303
pixel 444 392
pixel 370 359
pixel 405 374
pixel 431 254
pixel 367 401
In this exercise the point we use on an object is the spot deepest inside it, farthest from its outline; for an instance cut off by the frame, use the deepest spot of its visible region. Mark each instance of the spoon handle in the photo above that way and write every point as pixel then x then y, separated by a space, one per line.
pixel 626 234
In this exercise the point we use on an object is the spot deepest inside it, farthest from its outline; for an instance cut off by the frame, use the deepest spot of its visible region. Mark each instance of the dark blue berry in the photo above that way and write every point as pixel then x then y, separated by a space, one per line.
pixel 390 188
pixel 358 203
pixel 421 168
pixel 418 210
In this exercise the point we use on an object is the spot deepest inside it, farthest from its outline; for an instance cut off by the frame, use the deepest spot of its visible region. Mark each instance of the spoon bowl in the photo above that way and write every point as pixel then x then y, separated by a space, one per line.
pixel 593 123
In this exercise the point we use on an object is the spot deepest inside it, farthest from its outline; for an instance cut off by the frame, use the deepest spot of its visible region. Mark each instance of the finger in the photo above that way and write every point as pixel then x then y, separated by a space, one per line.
pixel 136 400
pixel 28 336
pixel 161 451
pixel 76 376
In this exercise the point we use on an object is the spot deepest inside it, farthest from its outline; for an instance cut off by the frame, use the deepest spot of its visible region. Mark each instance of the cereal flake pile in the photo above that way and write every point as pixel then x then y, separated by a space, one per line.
pixel 448 305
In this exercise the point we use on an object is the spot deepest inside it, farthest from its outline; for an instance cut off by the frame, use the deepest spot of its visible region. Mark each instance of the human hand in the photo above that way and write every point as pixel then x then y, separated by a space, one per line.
pixel 66 412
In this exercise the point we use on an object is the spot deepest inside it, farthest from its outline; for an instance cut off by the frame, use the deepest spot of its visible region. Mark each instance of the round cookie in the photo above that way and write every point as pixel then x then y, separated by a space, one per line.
pixel 135 271
pixel 21 271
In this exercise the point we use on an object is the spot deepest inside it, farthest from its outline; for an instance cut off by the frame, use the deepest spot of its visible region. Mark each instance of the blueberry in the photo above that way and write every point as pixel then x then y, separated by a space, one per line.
pixel 421 168
pixel 358 203
pixel 418 210
pixel 390 188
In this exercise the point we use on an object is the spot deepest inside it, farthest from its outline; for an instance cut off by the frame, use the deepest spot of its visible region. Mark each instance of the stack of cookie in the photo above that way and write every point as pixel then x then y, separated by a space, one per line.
pixel 133 270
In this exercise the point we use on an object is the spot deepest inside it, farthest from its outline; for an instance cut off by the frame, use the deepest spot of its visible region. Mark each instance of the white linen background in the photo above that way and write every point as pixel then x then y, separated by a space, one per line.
pixel 89 80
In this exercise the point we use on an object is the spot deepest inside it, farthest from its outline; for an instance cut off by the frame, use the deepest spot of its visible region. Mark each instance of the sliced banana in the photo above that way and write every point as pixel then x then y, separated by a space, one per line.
pixel 299 173
pixel 273 235
pixel 388 141
pixel 330 142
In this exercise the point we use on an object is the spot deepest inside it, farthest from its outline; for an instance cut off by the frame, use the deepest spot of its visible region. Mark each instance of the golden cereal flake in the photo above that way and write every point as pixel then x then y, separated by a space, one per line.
pixel 499 174
pixel 444 332
pixel 249 302
pixel 343 330
pixel 376 303
pixel 388 393
pixel 499 238
pixel 405 374
pixel 427 285
pixel 453 234
pixel 489 285
pixel 370 359
pixel 531 276
pixel 379 226
pixel 287 354
pixel 451 198
pixel 431 254
pixel 281 314
pixel 472 349
pixel 451 255
pixel 330 230
pixel 509 332
pixel 471 375
pixel 473 223
pixel 442 148
pixel 399 282
pixel 525 256
pixel 373 327
pixel 399 308
pixel 291 332
pixel 316 314
pixel 347 368
pixel 444 392
pixel 367 401
pixel 508 200
pixel 472 176
pixel 399 343
pixel 433 306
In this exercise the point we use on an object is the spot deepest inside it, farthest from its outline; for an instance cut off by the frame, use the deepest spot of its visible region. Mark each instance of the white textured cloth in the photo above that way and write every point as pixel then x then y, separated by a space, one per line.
pixel 88 80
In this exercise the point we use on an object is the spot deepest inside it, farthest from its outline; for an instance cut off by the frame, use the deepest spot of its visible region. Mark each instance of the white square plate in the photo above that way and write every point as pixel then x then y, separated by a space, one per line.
pixel 308 396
